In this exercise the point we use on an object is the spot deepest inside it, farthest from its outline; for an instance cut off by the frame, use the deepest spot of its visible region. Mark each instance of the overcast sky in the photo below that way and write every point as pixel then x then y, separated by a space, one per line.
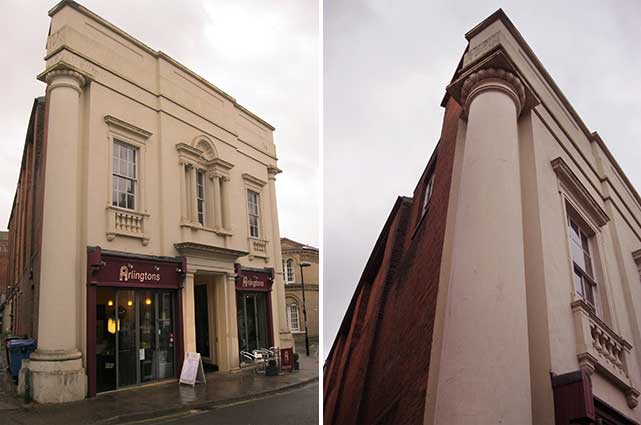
pixel 264 53
pixel 385 70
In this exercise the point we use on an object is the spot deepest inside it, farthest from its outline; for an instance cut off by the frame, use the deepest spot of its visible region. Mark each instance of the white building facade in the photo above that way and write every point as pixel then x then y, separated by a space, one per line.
pixel 160 228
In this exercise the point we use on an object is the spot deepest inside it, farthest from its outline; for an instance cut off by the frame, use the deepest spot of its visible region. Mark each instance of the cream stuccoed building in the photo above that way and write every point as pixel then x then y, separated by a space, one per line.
pixel 507 289
pixel 159 225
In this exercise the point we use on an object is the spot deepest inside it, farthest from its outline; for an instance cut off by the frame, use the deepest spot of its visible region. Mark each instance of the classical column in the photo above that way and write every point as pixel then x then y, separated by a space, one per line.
pixel 233 356
pixel 217 202
pixel 226 203
pixel 285 335
pixel 189 314
pixel 56 368
pixel 192 190
pixel 484 372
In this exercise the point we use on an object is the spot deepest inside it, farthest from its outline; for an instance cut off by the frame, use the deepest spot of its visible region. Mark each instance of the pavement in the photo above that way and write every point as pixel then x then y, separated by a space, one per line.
pixel 294 407
pixel 152 401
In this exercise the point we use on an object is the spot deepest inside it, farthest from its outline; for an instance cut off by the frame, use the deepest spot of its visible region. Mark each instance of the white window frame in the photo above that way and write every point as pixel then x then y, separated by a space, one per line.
pixel 122 132
pixel 427 194
pixel 257 214
pixel 119 176
pixel 586 287
pixel 293 307
pixel 201 198
pixel 288 278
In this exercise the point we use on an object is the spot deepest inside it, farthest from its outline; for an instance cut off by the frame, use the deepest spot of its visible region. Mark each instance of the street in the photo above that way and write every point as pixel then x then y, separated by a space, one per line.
pixel 297 407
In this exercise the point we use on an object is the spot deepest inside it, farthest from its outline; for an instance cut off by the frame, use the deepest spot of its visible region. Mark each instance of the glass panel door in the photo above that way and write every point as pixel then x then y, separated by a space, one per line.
pixel 252 320
pixel 127 354
pixel 165 335
pixel 135 339
pixel 105 339
pixel 147 334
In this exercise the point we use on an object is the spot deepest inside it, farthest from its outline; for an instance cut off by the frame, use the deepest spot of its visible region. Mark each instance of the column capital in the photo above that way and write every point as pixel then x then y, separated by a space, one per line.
pixel 494 79
pixel 63 76
pixel 272 171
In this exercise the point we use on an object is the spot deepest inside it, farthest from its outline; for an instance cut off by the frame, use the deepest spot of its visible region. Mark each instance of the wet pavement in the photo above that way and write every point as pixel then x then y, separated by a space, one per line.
pixel 8 398
pixel 160 399
pixel 295 407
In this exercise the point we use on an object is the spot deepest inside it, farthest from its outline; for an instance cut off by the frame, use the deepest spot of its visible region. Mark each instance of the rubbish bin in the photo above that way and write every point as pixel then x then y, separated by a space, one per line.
pixel 6 347
pixel 19 349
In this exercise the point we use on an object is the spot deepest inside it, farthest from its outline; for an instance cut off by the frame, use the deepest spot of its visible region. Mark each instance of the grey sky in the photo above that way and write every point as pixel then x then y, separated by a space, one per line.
pixel 264 53
pixel 386 65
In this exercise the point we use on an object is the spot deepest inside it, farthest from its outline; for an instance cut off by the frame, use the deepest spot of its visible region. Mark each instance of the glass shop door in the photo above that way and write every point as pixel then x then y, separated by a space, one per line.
pixel 252 320
pixel 135 341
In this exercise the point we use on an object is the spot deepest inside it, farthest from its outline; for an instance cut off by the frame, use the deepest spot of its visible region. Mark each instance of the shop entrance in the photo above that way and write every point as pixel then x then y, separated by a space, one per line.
pixel 252 320
pixel 201 307
pixel 135 336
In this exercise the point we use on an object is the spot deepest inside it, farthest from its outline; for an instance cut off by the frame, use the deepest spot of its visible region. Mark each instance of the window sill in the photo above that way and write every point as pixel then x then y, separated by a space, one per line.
pixel 198 226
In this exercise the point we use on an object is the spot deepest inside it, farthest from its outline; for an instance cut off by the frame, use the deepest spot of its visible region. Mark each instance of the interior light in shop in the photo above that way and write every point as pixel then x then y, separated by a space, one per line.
pixel 130 303
pixel 111 326
pixel 110 303
pixel 148 301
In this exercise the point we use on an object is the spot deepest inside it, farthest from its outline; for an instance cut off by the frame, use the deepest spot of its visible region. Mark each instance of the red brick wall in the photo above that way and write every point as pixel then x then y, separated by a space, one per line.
pixel 377 370
pixel 25 224
pixel 4 263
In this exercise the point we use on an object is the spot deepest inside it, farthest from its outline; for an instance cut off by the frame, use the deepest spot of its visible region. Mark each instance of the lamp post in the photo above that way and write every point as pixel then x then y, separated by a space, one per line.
pixel 302 284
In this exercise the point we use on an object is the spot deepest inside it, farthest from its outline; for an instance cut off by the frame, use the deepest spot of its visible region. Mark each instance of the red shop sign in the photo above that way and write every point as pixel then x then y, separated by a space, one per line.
pixel 253 280
pixel 121 269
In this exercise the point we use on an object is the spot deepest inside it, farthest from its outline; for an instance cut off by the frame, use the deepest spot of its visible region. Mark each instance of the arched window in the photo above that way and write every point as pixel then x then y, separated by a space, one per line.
pixel 292 317
pixel 289 272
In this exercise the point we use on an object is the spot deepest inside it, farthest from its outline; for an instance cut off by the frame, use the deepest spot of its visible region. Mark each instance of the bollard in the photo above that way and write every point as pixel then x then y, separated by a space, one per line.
pixel 27 386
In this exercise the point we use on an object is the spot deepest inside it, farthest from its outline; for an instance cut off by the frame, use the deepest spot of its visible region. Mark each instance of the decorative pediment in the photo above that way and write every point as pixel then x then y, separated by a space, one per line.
pixel 579 191
pixel 202 151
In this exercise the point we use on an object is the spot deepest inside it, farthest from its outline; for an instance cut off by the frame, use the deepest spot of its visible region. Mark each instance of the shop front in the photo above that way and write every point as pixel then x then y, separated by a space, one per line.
pixel 134 319
pixel 254 308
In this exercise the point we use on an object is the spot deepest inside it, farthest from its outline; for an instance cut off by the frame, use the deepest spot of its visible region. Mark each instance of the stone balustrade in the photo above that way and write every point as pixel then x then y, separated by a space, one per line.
pixel 601 349
pixel 122 222
pixel 258 247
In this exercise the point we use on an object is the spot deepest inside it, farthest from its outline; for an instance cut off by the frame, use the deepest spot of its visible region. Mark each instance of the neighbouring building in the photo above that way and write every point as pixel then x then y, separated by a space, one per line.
pixel 4 278
pixel 507 288
pixel 144 223
pixel 296 254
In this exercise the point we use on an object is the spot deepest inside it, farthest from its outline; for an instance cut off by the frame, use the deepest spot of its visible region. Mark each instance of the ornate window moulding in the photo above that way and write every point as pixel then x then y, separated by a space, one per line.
pixel 572 183
pixel 131 129
pixel 201 155
pixel 254 180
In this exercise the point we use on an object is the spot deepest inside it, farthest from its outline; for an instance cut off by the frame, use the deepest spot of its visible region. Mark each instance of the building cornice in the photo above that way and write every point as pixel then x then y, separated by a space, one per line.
pixel 155 53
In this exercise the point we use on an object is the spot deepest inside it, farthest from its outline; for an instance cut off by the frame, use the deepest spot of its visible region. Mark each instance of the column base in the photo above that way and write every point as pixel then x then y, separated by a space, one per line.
pixel 57 381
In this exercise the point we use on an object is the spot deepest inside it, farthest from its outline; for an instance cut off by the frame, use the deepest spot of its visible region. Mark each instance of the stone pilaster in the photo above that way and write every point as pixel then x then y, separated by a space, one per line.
pixel 285 338
pixel 189 314
pixel 56 368
pixel 486 313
